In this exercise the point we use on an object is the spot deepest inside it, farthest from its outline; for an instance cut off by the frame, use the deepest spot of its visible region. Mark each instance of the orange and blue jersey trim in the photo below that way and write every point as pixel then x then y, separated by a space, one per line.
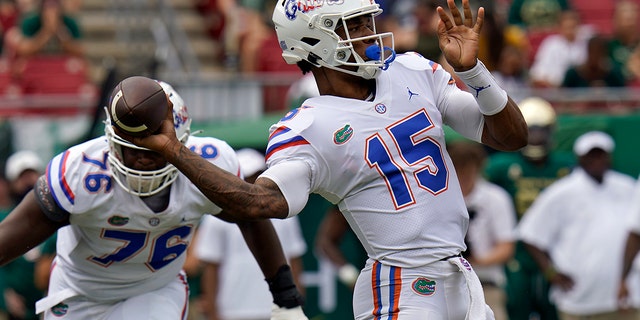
pixel 279 131
pixel 295 141
pixel 284 144
pixel 64 185
pixel 185 307
pixel 434 66
pixel 395 286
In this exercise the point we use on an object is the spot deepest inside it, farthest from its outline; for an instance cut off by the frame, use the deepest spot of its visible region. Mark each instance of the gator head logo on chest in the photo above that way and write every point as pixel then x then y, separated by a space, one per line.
pixel 118 221
pixel 341 136
pixel 424 286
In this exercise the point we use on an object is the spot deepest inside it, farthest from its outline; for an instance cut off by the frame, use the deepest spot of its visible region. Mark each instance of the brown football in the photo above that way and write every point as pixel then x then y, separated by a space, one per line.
pixel 138 105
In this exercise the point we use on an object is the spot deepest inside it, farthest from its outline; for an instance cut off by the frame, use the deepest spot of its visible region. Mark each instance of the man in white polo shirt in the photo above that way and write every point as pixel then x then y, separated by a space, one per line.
pixel 576 230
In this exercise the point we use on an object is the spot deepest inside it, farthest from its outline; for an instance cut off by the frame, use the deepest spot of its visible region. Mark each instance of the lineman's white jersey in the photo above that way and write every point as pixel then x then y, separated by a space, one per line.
pixel 116 247
pixel 384 161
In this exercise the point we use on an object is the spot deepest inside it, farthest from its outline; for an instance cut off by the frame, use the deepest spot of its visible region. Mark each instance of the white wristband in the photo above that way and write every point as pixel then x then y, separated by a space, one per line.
pixel 491 98
pixel 348 274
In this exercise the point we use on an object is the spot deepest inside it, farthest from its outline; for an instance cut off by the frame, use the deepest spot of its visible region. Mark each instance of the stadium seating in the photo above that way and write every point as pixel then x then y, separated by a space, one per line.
pixel 596 13
pixel 46 85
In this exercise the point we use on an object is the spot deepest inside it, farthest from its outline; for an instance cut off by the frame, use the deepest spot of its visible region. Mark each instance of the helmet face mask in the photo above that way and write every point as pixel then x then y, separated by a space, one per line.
pixel 142 182
pixel 307 31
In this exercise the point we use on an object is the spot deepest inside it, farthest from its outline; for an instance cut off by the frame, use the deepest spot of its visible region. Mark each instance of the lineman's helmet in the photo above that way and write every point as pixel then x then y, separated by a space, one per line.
pixel 146 183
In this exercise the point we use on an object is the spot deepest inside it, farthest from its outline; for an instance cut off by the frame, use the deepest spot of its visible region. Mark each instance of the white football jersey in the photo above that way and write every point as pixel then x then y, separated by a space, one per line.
pixel 116 247
pixel 384 162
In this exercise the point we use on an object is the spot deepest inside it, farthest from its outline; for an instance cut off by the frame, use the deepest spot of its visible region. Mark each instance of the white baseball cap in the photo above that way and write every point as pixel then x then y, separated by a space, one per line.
pixel 592 140
pixel 251 161
pixel 20 161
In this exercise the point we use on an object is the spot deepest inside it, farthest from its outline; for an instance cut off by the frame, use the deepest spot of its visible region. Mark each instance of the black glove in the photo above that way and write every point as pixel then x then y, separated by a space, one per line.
pixel 284 291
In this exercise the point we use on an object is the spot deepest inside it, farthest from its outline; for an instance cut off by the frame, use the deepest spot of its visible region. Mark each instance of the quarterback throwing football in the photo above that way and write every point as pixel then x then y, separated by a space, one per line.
pixel 373 143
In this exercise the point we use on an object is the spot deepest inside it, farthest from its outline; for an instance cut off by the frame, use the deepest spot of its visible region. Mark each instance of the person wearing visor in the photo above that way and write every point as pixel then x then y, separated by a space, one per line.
pixel 373 144
pixel 124 218
pixel 524 175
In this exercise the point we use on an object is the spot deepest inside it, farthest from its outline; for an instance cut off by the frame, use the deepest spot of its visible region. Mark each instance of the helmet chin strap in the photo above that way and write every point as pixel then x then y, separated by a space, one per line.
pixel 369 72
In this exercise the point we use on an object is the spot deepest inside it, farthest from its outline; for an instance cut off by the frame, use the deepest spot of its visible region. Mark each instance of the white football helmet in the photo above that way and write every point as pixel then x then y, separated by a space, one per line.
pixel 306 31
pixel 147 183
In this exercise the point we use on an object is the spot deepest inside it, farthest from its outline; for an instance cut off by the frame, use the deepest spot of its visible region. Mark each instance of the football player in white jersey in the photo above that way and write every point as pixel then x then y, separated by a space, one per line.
pixel 124 218
pixel 373 143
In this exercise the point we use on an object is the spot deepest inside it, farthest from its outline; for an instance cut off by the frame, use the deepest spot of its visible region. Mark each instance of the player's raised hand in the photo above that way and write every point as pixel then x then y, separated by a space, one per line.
pixel 458 35
pixel 162 141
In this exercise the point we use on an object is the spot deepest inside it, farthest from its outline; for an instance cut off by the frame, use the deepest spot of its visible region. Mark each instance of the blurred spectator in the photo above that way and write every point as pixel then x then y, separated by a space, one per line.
pixel 490 239
pixel 221 22
pixel 8 18
pixel 22 170
pixel 633 66
pixel 233 287
pixel 6 136
pixel 17 283
pixel 558 52
pixel 426 20
pixel 261 55
pixel 398 17
pixel 575 231
pixel 511 72
pixel 524 175
pixel 625 37
pixel 213 14
pixel 536 14
pixel 492 39
pixel 49 30
pixel 598 69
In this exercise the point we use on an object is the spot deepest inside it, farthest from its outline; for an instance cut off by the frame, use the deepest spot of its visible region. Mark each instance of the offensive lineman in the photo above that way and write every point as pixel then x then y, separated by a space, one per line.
pixel 125 218
pixel 373 143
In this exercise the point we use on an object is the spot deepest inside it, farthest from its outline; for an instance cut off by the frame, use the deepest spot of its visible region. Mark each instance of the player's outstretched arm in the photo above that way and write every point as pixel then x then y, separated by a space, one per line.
pixel 504 127
pixel 24 228
pixel 507 129
pixel 239 199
